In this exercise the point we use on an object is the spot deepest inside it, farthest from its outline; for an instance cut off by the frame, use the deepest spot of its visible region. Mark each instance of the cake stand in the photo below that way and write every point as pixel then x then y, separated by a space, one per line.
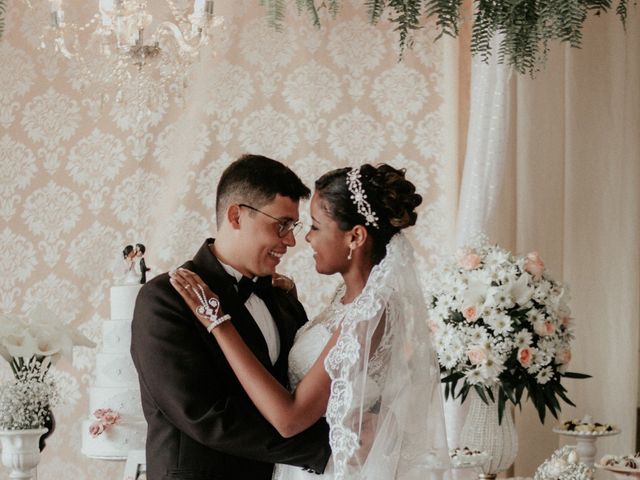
pixel 586 442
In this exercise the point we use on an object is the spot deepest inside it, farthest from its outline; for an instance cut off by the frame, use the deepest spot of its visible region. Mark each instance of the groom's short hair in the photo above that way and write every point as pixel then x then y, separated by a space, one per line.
pixel 256 180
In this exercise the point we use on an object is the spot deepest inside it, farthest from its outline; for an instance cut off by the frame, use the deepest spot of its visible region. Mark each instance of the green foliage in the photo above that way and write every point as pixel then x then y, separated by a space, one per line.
pixel 526 27
pixel 406 13
pixel 375 8
pixel 275 11
pixel 447 13
pixel 3 11
pixel 511 388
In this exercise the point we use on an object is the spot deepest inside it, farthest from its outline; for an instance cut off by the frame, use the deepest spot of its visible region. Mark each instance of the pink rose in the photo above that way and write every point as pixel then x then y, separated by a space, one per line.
pixel 470 261
pixel 534 265
pixel 524 356
pixel 476 355
pixel 544 328
pixel 433 326
pixel 470 313
pixel 96 429
pixel 563 357
pixel 565 320
pixel 99 413
pixel 110 417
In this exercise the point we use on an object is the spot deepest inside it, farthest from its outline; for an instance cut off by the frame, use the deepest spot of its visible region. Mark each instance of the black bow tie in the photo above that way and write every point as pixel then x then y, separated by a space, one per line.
pixel 260 287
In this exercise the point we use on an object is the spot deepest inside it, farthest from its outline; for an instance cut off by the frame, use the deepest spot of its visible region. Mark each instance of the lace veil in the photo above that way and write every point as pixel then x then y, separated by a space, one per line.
pixel 385 409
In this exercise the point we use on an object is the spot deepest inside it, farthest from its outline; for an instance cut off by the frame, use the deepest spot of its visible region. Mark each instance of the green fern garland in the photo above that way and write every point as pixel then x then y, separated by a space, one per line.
pixel 3 11
pixel 526 27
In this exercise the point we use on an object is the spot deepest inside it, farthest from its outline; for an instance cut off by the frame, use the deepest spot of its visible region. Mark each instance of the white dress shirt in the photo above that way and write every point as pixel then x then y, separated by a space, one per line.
pixel 261 315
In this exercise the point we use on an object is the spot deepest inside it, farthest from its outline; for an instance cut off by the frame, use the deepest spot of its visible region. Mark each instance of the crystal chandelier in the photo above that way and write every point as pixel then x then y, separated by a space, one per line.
pixel 123 49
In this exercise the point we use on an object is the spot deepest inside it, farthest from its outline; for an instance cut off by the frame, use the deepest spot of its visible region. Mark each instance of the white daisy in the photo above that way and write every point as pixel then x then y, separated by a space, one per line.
pixel 473 376
pixel 523 339
pixel 491 369
pixel 544 375
pixel 448 360
pixel 477 334
pixel 501 324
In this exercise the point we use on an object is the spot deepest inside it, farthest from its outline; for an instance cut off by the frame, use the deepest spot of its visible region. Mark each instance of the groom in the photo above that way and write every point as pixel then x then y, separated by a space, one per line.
pixel 201 424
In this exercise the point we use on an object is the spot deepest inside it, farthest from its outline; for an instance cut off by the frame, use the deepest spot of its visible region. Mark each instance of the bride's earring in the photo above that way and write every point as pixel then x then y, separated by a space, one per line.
pixel 350 256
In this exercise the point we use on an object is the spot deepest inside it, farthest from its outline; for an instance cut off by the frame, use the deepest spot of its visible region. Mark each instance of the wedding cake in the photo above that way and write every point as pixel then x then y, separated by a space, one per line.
pixel 116 424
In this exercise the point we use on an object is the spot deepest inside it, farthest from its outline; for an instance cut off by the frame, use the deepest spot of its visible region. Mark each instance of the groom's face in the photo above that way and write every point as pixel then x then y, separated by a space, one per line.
pixel 262 244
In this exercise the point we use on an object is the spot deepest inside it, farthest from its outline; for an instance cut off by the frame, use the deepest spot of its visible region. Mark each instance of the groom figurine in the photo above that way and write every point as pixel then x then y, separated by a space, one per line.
pixel 201 424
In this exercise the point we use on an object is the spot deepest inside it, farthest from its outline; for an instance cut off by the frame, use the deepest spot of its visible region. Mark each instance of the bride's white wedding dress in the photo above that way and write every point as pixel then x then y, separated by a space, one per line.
pixel 309 342
pixel 384 411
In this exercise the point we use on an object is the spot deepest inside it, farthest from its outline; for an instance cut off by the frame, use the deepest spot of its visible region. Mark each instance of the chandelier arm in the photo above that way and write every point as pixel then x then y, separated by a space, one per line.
pixel 185 45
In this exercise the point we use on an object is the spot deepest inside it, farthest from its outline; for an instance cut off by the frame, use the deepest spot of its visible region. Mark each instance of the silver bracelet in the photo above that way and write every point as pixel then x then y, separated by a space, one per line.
pixel 217 322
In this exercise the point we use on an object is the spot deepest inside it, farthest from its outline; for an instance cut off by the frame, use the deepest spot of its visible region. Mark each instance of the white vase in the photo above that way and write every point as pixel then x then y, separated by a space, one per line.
pixel 21 452
pixel 481 431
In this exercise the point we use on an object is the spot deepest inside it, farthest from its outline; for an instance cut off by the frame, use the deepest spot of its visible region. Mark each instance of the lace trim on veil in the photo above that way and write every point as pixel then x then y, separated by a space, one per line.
pixel 392 289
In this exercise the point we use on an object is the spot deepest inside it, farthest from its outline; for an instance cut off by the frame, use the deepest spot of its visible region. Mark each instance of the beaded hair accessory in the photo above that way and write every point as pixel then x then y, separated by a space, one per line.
pixel 359 197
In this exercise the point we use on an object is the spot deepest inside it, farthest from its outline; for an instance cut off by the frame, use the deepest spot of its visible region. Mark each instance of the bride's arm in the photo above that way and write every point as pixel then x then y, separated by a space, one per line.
pixel 289 413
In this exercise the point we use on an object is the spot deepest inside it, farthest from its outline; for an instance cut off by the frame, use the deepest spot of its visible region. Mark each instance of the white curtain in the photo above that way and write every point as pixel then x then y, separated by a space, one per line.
pixel 482 180
pixel 553 164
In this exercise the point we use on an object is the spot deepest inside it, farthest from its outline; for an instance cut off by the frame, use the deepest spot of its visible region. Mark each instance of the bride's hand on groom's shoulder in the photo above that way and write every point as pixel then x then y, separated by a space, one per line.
pixel 284 283
pixel 204 304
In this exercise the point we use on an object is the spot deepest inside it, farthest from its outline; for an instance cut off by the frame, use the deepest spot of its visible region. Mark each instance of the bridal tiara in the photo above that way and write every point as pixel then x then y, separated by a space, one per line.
pixel 359 197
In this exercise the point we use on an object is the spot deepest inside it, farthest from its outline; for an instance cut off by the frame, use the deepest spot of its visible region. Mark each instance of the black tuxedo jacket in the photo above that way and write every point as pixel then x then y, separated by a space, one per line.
pixel 201 424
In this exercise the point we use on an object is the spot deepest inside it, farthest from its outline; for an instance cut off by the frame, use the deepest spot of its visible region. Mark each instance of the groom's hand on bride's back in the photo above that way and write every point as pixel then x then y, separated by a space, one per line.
pixel 284 283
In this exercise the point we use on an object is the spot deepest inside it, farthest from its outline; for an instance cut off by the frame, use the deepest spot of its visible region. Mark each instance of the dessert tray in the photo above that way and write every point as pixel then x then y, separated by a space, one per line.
pixel 586 427
pixel 620 472
pixel 573 433
pixel 467 458
pixel 616 465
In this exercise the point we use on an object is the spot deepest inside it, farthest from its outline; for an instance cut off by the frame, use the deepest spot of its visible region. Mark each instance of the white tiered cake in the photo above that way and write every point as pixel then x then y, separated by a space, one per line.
pixel 116 391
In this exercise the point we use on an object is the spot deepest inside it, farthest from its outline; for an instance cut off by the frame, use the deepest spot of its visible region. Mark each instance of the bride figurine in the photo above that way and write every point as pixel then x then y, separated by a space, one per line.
pixel 125 271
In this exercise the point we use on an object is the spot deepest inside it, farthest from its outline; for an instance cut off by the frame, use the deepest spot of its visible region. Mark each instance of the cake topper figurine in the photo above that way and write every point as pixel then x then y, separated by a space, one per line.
pixel 142 266
pixel 131 268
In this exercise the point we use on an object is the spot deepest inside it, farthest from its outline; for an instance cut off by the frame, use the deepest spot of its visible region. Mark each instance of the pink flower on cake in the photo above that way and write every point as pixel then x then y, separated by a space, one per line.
pixel 96 428
pixel 534 265
pixel 106 418
pixel 110 417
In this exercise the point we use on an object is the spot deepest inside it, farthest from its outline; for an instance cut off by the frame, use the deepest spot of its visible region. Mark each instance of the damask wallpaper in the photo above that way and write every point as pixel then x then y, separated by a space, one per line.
pixel 79 180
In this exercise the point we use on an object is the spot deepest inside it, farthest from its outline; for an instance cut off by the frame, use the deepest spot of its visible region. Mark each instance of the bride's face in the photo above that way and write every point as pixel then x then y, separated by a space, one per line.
pixel 330 245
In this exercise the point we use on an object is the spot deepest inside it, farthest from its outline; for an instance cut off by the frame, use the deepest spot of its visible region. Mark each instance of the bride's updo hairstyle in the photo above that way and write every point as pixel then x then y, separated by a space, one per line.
pixel 392 198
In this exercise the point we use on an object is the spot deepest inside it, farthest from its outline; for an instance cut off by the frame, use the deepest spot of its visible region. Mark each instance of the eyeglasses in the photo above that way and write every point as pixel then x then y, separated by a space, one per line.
pixel 284 226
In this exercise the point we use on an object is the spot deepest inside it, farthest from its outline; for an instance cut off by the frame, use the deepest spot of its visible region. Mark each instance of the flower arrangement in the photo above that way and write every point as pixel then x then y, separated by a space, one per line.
pixel 564 464
pixel 26 402
pixel 31 348
pixel 105 419
pixel 39 335
pixel 501 324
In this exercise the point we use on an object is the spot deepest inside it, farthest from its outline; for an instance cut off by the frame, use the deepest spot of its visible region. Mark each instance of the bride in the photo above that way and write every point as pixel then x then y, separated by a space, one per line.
pixel 365 362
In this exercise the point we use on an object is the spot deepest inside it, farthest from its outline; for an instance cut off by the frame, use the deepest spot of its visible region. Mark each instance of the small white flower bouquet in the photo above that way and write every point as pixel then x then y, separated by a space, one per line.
pixel 31 347
pixel 500 321
pixel 26 402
